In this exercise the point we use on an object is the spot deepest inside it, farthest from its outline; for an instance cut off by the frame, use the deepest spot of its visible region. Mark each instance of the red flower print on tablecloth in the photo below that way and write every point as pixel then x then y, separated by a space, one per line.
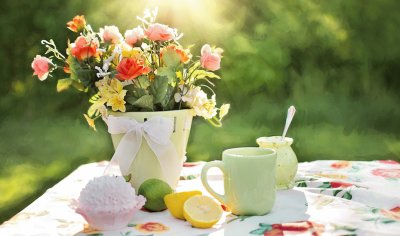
pixel 390 162
pixel 387 173
pixel 340 164
pixel 340 184
pixel 151 227
pixel 393 213
pixel 190 164
pixel 295 227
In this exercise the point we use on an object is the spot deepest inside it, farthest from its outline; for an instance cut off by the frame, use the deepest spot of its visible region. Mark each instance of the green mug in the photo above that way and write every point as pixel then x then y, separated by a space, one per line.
pixel 249 180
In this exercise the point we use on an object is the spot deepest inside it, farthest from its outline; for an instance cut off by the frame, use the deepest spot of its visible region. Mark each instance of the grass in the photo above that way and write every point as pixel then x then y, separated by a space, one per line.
pixel 36 154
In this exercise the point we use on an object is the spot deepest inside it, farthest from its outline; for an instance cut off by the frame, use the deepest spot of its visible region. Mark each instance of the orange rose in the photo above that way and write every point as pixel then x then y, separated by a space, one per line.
pixel 77 23
pixel 130 68
pixel 82 49
pixel 160 32
pixel 184 55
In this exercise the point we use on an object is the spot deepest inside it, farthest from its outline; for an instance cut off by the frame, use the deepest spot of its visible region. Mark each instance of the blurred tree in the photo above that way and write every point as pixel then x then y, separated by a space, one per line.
pixel 336 61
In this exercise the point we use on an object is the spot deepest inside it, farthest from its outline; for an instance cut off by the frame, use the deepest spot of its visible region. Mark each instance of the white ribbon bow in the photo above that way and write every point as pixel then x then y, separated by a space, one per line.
pixel 156 131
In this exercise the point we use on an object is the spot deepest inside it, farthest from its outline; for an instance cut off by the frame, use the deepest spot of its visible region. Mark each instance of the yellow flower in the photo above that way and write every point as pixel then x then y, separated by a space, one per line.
pixel 117 103
pixel 179 75
pixel 128 51
pixel 90 121
pixel 116 85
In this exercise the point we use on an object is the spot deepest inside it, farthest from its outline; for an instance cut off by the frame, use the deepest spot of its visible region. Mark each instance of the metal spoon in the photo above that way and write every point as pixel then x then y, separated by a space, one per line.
pixel 289 117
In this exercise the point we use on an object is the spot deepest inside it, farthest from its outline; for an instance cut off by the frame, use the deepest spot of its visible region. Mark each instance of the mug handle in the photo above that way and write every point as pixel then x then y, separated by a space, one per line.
pixel 204 171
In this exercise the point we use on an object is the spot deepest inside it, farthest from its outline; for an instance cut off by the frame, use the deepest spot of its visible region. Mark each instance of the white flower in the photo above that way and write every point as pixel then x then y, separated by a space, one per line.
pixel 190 96
pixel 145 47
pixel 178 96
pixel 134 35
pixel 111 34
pixel 206 108
pixel 202 106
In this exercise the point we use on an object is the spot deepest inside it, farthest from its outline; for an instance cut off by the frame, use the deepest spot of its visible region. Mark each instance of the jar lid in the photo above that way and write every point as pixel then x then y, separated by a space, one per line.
pixel 275 141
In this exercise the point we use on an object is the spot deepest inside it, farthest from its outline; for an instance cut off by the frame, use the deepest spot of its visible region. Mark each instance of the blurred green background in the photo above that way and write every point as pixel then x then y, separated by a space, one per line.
pixel 338 62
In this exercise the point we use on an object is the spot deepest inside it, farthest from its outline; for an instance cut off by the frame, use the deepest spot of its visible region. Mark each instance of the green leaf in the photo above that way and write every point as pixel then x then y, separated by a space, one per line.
pixel 130 99
pixel 325 185
pixel 336 192
pixel 264 225
pixel 168 72
pixel 210 75
pixel 145 102
pixel 137 92
pixel 128 177
pixel 347 196
pixel 85 76
pixel 375 210
pixel 143 82
pixel 388 221
pixel 166 102
pixel 159 88
pixel 78 85
pixel 260 231
pixel 63 84
pixel 94 98
pixel 193 68
pixel 302 184
pixel 202 74
pixel 171 58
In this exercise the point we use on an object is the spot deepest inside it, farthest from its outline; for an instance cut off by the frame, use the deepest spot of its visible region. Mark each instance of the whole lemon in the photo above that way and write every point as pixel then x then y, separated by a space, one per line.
pixel 154 191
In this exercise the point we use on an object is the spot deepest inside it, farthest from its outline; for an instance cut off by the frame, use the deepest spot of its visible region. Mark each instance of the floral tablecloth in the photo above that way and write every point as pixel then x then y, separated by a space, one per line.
pixel 331 198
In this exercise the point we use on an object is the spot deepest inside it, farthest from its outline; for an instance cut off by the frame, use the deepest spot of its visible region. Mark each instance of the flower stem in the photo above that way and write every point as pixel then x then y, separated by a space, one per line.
pixel 215 122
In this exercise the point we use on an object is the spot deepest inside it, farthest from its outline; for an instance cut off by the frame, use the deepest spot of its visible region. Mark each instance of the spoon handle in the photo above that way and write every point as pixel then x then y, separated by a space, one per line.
pixel 289 118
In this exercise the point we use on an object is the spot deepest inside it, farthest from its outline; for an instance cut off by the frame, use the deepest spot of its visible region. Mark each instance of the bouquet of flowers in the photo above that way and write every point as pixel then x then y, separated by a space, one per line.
pixel 144 70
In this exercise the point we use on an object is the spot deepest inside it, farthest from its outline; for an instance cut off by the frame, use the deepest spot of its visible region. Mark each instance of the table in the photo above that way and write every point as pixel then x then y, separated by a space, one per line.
pixel 331 198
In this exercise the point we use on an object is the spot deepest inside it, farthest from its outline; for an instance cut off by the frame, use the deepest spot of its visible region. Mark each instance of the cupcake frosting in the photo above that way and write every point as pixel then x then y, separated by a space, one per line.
pixel 109 194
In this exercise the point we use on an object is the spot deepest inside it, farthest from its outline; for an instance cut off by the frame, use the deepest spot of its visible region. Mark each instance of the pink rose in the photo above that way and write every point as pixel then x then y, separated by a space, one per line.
pixel 134 35
pixel 40 66
pixel 110 34
pixel 210 58
pixel 160 32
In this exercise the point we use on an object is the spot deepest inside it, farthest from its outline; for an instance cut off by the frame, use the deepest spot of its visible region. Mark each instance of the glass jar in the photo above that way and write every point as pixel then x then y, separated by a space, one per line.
pixel 286 162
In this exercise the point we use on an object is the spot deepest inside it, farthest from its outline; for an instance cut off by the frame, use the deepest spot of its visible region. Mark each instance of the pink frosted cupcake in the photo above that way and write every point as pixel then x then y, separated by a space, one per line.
pixel 108 203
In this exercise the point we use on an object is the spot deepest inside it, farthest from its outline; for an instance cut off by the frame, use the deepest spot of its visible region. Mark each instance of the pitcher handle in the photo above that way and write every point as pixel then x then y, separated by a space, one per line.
pixel 204 171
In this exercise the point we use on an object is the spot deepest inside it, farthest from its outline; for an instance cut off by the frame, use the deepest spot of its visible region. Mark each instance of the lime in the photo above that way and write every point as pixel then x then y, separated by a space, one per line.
pixel 202 211
pixel 175 201
pixel 154 191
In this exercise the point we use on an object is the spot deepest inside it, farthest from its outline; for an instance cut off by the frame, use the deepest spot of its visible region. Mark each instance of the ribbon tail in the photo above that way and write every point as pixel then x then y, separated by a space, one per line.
pixel 126 152
pixel 113 169
pixel 168 158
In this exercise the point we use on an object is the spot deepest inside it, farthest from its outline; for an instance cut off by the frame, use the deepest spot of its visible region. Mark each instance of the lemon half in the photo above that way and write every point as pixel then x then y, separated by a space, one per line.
pixel 175 201
pixel 202 211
